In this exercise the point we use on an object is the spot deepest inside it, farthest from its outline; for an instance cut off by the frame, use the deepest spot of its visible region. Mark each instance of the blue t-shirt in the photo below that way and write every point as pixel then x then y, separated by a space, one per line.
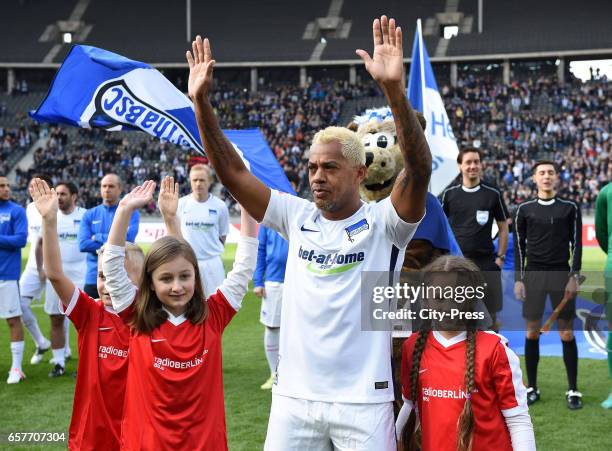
pixel 95 225
pixel 271 257
pixel 13 236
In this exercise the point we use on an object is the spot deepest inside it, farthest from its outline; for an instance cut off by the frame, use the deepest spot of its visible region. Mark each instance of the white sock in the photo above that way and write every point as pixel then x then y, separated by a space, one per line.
pixel 67 336
pixel 31 323
pixel 58 356
pixel 271 339
pixel 17 352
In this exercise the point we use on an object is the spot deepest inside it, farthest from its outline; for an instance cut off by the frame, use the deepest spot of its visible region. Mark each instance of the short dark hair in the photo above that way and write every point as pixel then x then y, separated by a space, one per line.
pixel 44 177
pixel 71 186
pixel 465 150
pixel 541 162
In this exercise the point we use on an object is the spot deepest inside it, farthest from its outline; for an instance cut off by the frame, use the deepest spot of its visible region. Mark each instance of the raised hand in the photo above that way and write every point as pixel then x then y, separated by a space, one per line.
pixel 44 198
pixel 200 68
pixel 139 197
pixel 386 65
pixel 167 200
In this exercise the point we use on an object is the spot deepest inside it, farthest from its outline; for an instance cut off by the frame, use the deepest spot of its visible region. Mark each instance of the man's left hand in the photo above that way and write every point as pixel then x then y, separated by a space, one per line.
pixel 571 288
pixel 387 64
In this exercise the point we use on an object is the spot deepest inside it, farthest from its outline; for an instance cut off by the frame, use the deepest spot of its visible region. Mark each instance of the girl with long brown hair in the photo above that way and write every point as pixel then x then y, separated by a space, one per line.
pixel 466 383
pixel 174 390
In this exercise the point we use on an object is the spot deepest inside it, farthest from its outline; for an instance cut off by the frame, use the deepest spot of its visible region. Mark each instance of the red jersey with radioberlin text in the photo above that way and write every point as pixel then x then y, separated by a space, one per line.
pixel 103 339
pixel 174 395
pixel 499 391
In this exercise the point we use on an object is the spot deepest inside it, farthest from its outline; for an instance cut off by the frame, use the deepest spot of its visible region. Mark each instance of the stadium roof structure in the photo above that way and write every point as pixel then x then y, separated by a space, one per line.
pixel 295 32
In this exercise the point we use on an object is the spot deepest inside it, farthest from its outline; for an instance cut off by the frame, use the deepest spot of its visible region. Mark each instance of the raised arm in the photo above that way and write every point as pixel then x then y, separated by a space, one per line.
pixel 235 285
pixel 45 200
pixel 386 66
pixel 117 282
pixel 233 174
pixel 167 201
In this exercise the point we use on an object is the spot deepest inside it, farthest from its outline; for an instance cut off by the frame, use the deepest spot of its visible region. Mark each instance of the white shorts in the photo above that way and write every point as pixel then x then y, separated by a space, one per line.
pixel 271 305
pixel 29 284
pixel 212 274
pixel 52 300
pixel 10 305
pixel 298 424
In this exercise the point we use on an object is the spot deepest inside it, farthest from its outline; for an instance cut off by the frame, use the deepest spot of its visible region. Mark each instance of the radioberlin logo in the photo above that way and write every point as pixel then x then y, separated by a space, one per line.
pixel 116 104
pixel 328 264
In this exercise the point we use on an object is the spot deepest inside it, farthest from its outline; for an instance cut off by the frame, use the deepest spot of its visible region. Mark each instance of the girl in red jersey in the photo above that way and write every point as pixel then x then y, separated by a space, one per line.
pixel 102 337
pixel 174 393
pixel 466 383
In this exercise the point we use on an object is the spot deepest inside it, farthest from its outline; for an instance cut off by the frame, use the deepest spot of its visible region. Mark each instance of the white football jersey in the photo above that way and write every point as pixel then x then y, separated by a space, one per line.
pixel 34 231
pixel 67 231
pixel 202 223
pixel 324 354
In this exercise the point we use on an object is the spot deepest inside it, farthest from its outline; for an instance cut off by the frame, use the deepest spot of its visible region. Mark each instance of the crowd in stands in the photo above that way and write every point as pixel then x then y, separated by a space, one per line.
pixel 518 124
pixel 13 139
pixel 514 124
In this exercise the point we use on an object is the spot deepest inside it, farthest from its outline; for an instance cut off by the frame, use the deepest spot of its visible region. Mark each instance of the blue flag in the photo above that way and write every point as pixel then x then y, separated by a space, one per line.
pixel 95 88
pixel 424 96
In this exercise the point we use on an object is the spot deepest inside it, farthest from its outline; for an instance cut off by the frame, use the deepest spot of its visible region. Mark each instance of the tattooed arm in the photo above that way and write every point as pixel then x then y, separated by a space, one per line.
pixel 251 193
pixel 387 67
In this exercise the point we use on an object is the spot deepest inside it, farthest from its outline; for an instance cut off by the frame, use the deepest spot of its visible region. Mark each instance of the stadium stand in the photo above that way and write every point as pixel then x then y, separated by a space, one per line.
pixel 546 26
pixel 361 12
pixel 28 21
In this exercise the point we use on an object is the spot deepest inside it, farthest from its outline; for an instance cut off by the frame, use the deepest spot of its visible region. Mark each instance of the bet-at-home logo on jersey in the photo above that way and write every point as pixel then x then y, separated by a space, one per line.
pixel 329 264
pixel 201 226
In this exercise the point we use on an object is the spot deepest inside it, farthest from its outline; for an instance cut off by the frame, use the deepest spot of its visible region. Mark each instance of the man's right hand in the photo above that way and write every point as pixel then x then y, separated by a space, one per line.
pixel 260 292
pixel 519 290
pixel 200 68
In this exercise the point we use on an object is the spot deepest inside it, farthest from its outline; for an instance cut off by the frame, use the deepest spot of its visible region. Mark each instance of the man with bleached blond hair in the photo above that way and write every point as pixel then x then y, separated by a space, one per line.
pixel 334 386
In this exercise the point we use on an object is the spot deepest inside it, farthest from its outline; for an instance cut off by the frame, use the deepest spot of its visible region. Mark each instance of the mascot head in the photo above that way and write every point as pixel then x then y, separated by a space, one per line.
pixel 376 130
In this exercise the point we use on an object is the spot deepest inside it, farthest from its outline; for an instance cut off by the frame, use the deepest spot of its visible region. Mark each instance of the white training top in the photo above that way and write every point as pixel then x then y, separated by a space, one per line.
pixel 34 231
pixel 324 354
pixel 67 231
pixel 202 223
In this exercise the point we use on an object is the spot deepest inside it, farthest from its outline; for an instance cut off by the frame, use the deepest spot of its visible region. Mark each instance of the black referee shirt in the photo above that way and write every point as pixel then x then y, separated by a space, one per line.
pixel 548 234
pixel 471 212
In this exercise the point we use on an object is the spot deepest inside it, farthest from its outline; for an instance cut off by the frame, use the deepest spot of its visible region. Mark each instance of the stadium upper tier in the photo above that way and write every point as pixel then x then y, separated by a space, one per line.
pixel 274 31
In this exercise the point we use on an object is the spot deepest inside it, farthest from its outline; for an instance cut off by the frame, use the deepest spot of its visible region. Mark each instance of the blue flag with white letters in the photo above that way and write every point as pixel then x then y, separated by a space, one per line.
pixel 424 96
pixel 95 88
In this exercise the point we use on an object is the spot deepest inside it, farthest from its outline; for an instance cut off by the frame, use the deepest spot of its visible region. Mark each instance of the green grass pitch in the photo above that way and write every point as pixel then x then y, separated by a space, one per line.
pixel 42 404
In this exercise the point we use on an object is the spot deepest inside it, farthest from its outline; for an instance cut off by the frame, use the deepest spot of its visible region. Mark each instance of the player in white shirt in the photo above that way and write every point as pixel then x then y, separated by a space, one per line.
pixel 32 280
pixel 334 387
pixel 74 263
pixel 204 222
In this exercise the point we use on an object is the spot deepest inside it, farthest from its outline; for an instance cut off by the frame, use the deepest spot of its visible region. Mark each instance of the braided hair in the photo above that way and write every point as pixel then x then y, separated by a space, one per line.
pixel 409 433
pixel 465 424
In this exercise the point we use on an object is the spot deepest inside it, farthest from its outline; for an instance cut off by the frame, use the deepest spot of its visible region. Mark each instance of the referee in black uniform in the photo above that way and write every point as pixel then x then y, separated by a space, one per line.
pixel 471 207
pixel 549 237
